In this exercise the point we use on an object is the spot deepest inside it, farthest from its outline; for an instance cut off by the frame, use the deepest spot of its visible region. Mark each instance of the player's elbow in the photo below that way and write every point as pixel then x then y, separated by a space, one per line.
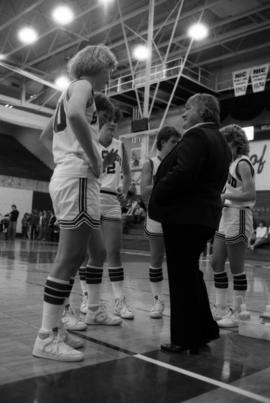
pixel 74 115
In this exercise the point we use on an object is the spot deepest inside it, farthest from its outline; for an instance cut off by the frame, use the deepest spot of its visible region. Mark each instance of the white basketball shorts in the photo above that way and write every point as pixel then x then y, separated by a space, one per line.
pixel 236 225
pixel 152 228
pixel 76 201
pixel 110 208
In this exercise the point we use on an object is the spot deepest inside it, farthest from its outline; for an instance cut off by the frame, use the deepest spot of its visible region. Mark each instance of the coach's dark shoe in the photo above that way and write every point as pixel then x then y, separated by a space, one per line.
pixel 174 348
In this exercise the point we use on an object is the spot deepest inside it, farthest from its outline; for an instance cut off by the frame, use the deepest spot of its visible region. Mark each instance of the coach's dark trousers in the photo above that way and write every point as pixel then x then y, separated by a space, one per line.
pixel 192 324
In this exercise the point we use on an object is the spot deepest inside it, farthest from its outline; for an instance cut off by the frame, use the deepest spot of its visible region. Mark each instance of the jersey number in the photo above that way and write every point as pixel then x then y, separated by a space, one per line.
pixel 60 120
pixel 110 168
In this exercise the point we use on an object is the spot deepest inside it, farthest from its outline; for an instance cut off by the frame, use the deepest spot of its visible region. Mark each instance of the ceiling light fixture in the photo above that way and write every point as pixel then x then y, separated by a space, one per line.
pixel 27 35
pixel 62 82
pixel 198 31
pixel 141 52
pixel 105 2
pixel 63 15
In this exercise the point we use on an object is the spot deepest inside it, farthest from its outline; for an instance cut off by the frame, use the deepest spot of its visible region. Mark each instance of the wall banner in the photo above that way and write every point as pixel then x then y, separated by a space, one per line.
pixel 258 76
pixel 240 81
pixel 260 159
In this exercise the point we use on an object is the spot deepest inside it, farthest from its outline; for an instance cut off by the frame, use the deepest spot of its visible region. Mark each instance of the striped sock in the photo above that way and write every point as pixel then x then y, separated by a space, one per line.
pixel 156 280
pixel 55 292
pixel 93 283
pixel 221 288
pixel 239 290
pixel 71 283
pixel 116 275
pixel 82 275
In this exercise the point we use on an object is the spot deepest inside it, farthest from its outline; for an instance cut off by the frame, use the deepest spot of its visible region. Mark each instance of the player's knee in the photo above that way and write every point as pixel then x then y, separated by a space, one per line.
pixel 113 255
pixel 215 264
pixel 73 259
pixel 98 257
pixel 156 261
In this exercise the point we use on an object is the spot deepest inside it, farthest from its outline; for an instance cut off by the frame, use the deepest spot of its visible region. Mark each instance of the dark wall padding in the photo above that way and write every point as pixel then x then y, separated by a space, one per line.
pixel 41 201
pixel 17 161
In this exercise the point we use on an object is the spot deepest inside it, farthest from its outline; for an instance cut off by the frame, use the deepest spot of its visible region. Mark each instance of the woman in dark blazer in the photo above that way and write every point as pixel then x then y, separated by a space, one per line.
pixel 186 200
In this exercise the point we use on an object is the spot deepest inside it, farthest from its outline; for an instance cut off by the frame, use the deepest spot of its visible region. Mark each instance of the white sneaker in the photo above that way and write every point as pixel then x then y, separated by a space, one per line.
pixel 70 339
pixel 231 319
pixel 84 303
pixel 218 312
pixel 157 309
pixel 101 317
pixel 122 309
pixel 71 321
pixel 53 347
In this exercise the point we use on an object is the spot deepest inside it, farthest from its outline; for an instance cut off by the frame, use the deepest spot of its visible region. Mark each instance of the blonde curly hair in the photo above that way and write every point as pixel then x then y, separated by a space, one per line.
pixel 90 60
pixel 236 136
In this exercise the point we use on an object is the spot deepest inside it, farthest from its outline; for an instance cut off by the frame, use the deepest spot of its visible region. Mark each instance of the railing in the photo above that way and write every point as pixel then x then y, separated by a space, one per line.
pixel 161 72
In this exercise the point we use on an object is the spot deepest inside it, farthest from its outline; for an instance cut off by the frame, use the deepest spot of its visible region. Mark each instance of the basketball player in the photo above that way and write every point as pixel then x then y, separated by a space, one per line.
pixel 167 138
pixel 111 224
pixel 235 229
pixel 74 189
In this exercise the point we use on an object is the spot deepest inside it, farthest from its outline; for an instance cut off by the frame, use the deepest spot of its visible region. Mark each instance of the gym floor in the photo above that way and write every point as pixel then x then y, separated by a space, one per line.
pixel 122 364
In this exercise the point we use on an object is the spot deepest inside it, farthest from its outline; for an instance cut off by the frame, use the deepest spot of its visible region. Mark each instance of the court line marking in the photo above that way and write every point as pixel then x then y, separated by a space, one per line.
pixel 103 343
pixel 230 388
pixel 223 385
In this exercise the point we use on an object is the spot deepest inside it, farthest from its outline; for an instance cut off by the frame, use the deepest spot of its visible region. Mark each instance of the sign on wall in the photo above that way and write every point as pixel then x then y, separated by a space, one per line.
pixel 260 158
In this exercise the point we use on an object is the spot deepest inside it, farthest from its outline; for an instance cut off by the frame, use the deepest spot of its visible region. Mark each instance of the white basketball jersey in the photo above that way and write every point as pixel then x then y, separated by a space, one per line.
pixel 69 156
pixel 111 178
pixel 235 185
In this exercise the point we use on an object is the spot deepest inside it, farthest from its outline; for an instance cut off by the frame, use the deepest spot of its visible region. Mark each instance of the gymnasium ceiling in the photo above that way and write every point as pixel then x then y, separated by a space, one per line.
pixel 239 36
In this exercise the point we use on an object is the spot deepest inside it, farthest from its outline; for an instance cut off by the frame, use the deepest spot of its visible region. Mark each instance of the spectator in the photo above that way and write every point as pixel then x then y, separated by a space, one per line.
pixel 138 213
pixel 53 226
pixel 34 221
pixel 42 225
pixel 261 235
pixel 25 225
pixel 13 217
pixel 4 226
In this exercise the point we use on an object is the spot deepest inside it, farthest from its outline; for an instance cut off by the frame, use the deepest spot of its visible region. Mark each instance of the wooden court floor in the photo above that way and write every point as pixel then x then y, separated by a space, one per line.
pixel 123 364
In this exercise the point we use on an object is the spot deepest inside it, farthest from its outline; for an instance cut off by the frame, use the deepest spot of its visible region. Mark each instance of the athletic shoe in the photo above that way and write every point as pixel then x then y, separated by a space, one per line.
pixel 231 319
pixel 101 317
pixel 71 321
pixel 70 339
pixel 84 304
pixel 218 312
pixel 157 309
pixel 122 309
pixel 53 347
